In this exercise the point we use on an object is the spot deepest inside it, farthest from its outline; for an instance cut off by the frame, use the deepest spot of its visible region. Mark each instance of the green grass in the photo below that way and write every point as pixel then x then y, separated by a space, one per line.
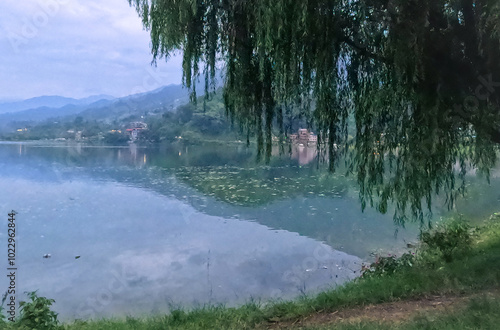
pixel 480 313
pixel 474 270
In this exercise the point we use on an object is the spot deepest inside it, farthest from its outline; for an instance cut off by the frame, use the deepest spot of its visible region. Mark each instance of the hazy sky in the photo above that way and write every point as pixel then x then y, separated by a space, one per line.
pixel 77 48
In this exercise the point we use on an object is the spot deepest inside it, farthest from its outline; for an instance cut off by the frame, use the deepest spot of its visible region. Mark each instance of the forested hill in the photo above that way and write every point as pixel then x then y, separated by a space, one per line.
pixel 167 112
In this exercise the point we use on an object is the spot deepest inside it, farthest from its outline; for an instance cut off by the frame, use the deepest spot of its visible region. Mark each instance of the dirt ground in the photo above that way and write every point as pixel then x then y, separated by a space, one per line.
pixel 393 312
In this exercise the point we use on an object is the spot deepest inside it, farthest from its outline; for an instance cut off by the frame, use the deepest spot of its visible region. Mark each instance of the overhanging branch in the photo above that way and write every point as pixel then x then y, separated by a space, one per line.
pixel 362 51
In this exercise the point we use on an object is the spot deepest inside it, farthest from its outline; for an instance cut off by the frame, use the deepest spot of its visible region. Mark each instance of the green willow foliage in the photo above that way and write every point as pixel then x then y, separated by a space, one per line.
pixel 420 79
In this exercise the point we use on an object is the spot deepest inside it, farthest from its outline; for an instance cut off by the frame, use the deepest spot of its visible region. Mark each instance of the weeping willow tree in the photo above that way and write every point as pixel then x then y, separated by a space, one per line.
pixel 421 78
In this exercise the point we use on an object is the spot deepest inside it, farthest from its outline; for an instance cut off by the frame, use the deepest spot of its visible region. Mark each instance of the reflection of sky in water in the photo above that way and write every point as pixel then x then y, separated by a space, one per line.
pixel 148 240
pixel 142 251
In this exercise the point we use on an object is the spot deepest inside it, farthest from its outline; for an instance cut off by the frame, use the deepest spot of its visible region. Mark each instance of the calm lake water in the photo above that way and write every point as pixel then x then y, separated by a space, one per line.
pixel 162 227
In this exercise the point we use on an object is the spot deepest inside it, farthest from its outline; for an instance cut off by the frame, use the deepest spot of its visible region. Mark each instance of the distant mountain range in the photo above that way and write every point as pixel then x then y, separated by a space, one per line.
pixel 163 99
pixel 49 102
pixel 102 108
pixel 97 107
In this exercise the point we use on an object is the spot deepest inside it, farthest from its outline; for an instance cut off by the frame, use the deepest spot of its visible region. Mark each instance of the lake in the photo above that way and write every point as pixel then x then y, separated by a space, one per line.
pixel 134 231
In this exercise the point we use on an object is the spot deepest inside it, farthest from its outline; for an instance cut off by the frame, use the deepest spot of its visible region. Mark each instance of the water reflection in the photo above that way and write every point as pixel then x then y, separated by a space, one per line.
pixel 166 251
pixel 304 154
pixel 181 225
pixel 283 195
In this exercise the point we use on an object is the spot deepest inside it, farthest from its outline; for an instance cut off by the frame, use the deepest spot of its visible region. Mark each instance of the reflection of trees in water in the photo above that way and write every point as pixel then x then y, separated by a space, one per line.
pixel 229 175
pixel 261 185
pixel 284 196
pixel 222 190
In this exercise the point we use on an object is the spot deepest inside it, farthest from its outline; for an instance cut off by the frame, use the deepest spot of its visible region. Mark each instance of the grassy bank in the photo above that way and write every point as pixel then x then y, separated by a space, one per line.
pixel 452 260
pixel 478 313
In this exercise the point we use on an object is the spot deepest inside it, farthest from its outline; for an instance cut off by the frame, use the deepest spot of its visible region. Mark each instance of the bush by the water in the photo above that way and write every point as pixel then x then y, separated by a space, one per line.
pixel 449 241
pixel 35 314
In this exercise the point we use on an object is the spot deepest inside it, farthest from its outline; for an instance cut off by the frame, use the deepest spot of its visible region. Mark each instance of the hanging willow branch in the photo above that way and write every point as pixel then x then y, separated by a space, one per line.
pixel 399 69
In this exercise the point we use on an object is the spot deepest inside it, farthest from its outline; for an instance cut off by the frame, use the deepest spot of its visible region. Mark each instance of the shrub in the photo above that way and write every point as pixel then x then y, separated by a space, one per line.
pixel 36 313
pixel 447 242
pixel 2 316
pixel 116 138
pixel 389 265
pixel 450 240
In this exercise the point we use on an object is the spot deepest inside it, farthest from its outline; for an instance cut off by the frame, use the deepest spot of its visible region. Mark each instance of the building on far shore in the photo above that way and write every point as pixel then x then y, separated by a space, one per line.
pixel 304 136
pixel 312 139
pixel 135 128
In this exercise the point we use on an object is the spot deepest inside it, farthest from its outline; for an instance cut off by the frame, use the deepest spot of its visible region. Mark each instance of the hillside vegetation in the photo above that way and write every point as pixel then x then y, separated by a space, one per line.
pixel 188 122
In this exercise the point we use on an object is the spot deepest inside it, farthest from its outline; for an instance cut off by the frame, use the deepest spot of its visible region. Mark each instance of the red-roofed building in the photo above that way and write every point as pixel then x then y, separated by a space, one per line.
pixel 135 128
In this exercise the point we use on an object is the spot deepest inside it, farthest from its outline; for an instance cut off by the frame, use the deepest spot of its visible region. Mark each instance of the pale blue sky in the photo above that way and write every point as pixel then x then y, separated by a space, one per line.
pixel 77 48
